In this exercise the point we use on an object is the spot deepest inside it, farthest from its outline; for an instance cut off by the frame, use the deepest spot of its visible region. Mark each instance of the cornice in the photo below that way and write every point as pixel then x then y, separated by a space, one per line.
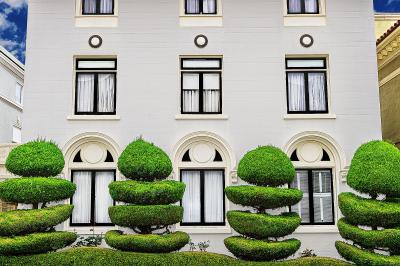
pixel 389 48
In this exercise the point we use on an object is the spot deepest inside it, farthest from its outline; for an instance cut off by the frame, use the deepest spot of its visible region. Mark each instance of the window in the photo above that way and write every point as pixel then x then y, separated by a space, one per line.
pixel 316 207
pixel 303 6
pixel 91 199
pixel 204 200
pixel 201 84
pixel 97 7
pixel 306 84
pixel 16 135
pixel 95 92
pixel 198 7
pixel 18 93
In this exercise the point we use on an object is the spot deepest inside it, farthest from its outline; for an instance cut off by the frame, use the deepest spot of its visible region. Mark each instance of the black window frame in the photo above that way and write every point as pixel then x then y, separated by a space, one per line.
pixel 92 201
pixel 303 9
pixel 311 196
pixel 306 71
pixel 202 195
pixel 98 13
pixel 201 72
pixel 95 72
pixel 201 12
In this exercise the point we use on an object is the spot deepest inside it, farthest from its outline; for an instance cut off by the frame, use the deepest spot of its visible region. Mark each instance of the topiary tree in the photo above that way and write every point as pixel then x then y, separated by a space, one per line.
pixel 32 231
pixel 150 199
pixel 375 171
pixel 267 168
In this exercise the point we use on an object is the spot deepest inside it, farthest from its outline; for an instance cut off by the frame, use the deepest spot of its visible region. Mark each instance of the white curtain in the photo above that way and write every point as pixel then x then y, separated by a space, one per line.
pixel 311 6
pixel 209 6
pixel 103 199
pixel 211 93
pixel 89 7
pixel 294 6
pixel 193 6
pixel 190 92
pixel 106 6
pixel 316 88
pixel 214 196
pixel 85 93
pixel 322 188
pixel 303 207
pixel 191 199
pixel 82 197
pixel 296 88
pixel 106 89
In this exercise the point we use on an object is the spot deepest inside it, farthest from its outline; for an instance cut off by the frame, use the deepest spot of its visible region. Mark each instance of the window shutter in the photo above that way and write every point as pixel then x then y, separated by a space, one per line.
pixel 322 189
pixel 303 207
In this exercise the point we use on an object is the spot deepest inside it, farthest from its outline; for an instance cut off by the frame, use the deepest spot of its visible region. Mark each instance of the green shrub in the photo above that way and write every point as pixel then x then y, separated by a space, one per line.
pixel 263 197
pixel 262 226
pixel 375 169
pixel 36 158
pixel 133 216
pixel 21 222
pixel 368 212
pixel 147 243
pixel 143 161
pixel 147 193
pixel 388 238
pixel 35 243
pixel 266 166
pixel 36 190
pixel 250 249
pixel 365 257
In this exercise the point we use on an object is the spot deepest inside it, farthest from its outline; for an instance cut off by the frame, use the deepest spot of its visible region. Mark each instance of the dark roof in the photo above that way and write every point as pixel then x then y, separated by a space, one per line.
pixel 388 32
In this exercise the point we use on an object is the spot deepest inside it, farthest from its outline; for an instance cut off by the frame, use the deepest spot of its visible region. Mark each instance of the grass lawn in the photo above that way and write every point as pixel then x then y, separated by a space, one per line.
pixel 109 257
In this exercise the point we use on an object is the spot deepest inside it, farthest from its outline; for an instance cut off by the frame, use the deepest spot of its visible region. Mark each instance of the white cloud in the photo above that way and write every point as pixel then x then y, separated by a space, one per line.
pixel 389 2
pixel 15 48
pixel 15 4
pixel 5 24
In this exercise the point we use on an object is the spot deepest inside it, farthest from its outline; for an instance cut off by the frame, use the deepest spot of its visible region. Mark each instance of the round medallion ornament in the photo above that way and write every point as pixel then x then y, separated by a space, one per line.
pixel 95 41
pixel 306 40
pixel 201 41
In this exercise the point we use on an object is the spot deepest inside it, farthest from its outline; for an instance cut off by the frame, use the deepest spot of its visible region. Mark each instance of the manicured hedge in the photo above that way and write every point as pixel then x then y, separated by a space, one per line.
pixel 364 257
pixel 36 190
pixel 147 243
pixel 262 226
pixel 21 222
pixel 368 212
pixel 36 243
pixel 258 250
pixel 147 193
pixel 375 169
pixel 136 216
pixel 263 197
pixel 36 158
pixel 143 161
pixel 266 166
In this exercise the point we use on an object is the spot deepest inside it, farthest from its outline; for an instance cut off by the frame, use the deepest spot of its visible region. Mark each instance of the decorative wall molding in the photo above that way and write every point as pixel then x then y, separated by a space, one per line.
pixel 389 48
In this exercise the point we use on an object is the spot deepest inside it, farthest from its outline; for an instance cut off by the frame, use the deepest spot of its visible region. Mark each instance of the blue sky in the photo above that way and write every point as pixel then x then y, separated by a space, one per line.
pixel 13 16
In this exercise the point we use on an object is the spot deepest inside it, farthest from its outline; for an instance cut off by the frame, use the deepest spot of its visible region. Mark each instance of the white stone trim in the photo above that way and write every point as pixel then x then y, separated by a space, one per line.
pixel 309 116
pixel 93 117
pixel 12 103
pixel 317 229
pixel 305 20
pixel 200 20
pixel 201 117
pixel 95 21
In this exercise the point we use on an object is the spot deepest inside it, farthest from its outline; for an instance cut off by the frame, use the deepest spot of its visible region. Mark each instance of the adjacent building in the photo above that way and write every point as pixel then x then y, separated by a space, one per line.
pixel 206 80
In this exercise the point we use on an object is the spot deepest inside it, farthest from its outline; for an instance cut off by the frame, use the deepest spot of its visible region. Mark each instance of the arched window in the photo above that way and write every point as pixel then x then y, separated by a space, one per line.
pixel 91 164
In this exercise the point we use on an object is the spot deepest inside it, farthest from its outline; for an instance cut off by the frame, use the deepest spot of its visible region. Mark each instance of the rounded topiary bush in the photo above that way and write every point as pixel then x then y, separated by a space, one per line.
pixel 150 197
pixel 267 168
pixel 32 231
pixel 374 170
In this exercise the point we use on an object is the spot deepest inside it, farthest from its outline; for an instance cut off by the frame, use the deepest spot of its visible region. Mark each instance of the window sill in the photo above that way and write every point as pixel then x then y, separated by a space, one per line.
pixel 317 229
pixel 12 103
pixel 93 118
pixel 309 116
pixel 304 20
pixel 200 20
pixel 91 230
pixel 201 117
pixel 204 229
pixel 96 21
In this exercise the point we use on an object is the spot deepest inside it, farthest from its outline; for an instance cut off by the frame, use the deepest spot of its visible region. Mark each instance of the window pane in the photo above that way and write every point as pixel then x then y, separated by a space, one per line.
pixel 211 93
pixel 311 6
pixel 209 6
pixel 296 92
pixel 16 135
pixel 201 63
pixel 191 199
pixel 303 207
pixel 305 63
pixel 103 199
pixel 106 97
pixel 322 188
pixel 85 93
pixel 316 89
pixel 190 92
pixel 193 6
pixel 82 197
pixel 106 6
pixel 294 6
pixel 89 6
pixel 18 93
pixel 214 196
pixel 100 64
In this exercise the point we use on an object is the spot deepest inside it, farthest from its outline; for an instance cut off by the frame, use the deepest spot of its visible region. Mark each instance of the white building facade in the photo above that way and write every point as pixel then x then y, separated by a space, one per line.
pixel 207 81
